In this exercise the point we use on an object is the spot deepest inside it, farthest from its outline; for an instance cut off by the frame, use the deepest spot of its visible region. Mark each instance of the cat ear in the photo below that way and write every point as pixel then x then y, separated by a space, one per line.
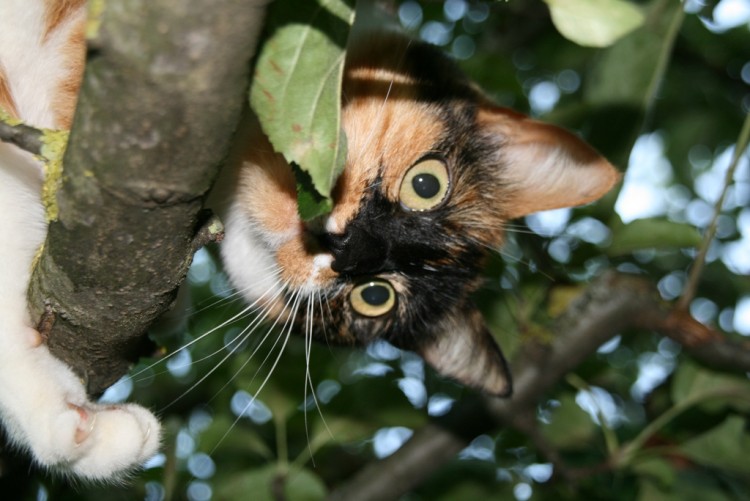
pixel 546 167
pixel 464 350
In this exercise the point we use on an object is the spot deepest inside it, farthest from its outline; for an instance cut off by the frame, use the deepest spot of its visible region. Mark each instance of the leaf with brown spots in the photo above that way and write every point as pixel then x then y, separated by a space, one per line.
pixel 296 91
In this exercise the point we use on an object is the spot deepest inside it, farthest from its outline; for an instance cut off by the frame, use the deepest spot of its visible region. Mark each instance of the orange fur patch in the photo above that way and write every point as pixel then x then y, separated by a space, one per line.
pixel 56 12
pixel 268 188
pixel 385 127
pixel 74 52
pixel 295 259
pixel 6 99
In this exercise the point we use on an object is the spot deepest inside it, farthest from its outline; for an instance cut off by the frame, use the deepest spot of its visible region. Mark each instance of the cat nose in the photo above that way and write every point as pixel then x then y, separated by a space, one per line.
pixel 356 252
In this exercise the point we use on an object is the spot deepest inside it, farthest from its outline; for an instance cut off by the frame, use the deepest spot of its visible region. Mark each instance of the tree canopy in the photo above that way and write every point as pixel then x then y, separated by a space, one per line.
pixel 626 321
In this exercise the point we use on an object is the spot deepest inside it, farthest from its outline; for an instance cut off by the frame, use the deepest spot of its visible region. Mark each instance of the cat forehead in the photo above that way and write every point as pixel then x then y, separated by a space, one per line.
pixel 388 129
pixel 400 101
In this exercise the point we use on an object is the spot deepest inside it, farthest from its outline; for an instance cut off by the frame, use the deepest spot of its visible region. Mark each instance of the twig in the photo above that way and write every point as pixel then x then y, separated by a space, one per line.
pixel 665 56
pixel 25 137
pixel 700 260
pixel 708 346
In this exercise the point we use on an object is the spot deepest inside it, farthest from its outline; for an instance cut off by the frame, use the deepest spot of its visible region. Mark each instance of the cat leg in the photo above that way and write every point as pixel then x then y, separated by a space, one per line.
pixel 45 410
pixel 43 405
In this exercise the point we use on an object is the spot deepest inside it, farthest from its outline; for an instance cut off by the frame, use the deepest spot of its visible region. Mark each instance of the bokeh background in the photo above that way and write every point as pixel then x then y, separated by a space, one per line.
pixel 667 104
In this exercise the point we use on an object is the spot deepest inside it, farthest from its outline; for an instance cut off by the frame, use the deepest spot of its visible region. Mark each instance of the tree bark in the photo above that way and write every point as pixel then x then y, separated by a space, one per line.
pixel 163 90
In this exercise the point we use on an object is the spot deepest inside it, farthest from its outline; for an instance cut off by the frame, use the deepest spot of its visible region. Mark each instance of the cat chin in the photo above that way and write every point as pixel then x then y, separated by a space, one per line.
pixel 248 259
pixel 251 259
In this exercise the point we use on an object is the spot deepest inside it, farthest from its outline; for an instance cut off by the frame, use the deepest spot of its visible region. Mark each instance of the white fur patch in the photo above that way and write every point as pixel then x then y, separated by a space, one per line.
pixel 33 66
pixel 248 257
pixel 43 405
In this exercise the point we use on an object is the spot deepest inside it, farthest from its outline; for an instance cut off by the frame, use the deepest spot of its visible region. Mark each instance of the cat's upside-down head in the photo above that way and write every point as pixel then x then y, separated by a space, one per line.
pixel 434 170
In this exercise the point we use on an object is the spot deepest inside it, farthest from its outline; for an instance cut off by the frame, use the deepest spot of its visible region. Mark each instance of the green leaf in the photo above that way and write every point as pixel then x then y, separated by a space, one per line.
pixel 656 468
pixel 692 381
pixel 296 90
pixel 594 23
pixel 226 436
pixel 342 429
pixel 571 427
pixel 689 486
pixel 723 447
pixel 652 233
pixel 629 71
pixel 310 202
pixel 269 484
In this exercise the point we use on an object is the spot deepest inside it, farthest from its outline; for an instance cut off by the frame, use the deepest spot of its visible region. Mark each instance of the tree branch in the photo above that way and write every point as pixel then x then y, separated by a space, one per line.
pixel 163 90
pixel 700 260
pixel 708 346
pixel 612 303
pixel 25 137
pixel 600 313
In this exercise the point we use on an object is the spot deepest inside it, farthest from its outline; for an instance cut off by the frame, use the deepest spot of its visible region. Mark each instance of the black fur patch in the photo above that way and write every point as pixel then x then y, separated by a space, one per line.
pixel 437 255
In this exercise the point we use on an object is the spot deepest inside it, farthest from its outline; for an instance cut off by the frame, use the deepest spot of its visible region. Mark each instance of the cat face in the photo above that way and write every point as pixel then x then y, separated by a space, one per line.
pixel 433 172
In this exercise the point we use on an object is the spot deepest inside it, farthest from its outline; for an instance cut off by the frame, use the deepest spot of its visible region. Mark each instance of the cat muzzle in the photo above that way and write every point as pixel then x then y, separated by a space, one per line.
pixel 356 252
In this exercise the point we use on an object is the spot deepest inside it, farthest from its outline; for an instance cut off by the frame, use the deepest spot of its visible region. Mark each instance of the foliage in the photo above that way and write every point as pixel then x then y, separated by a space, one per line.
pixel 296 91
pixel 638 420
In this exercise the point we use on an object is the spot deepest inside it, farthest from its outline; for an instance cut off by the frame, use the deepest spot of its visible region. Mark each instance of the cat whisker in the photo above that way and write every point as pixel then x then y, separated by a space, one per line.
pixel 251 308
pixel 286 333
pixel 321 297
pixel 260 343
pixel 308 376
pixel 246 332
pixel 238 294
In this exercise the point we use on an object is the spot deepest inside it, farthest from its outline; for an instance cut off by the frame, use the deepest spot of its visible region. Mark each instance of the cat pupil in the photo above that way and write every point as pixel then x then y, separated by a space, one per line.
pixel 375 295
pixel 425 185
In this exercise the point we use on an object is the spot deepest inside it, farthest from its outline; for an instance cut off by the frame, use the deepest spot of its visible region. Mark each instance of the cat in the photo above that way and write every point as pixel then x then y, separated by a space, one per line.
pixel 434 170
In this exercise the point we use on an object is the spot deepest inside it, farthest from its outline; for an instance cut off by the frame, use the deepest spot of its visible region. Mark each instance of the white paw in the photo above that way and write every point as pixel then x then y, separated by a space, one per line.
pixel 44 408
pixel 96 441
pixel 109 440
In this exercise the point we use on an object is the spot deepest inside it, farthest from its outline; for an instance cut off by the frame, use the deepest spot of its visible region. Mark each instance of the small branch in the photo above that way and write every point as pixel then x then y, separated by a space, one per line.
pixel 665 55
pixel 25 137
pixel 211 231
pixel 612 303
pixel 278 483
pixel 46 322
pixel 602 311
pixel 695 272
pixel 572 475
pixel 708 346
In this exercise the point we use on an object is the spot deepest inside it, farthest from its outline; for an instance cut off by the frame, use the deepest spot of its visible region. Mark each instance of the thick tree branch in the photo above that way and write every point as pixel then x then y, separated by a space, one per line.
pixel 162 94
pixel 610 304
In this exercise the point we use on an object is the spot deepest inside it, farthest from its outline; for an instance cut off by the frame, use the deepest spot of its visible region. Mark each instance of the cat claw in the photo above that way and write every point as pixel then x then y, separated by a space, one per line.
pixel 34 338
pixel 53 417
pixel 86 426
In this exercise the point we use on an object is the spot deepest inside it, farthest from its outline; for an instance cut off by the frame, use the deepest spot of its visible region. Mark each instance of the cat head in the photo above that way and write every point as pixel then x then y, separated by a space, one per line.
pixel 433 173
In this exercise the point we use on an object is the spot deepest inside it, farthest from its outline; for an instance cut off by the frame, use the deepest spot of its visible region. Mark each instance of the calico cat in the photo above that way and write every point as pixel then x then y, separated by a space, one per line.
pixel 434 170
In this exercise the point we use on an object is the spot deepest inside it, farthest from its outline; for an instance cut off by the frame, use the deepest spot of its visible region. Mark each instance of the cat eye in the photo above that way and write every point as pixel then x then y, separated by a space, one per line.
pixel 373 298
pixel 425 185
